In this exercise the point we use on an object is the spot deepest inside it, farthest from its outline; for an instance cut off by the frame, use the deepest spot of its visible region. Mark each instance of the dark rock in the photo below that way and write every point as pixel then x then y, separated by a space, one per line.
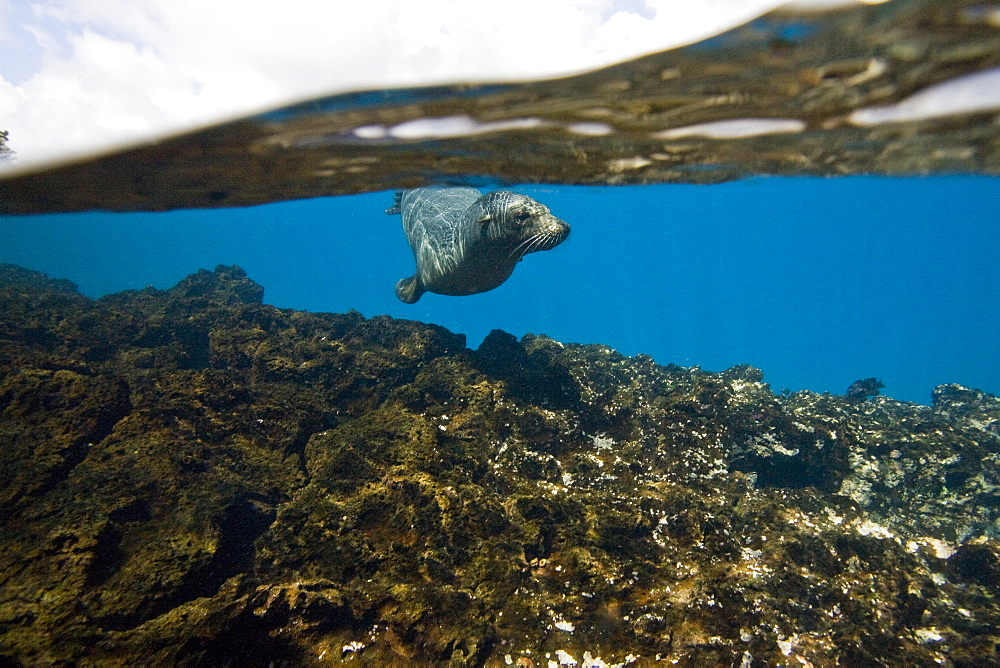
pixel 864 388
pixel 193 477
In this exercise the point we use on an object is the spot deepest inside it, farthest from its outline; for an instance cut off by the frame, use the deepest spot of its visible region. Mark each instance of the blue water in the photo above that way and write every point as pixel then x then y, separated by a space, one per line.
pixel 818 282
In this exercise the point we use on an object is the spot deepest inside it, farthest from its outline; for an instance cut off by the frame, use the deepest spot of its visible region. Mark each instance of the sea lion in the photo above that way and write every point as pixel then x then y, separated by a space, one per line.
pixel 465 242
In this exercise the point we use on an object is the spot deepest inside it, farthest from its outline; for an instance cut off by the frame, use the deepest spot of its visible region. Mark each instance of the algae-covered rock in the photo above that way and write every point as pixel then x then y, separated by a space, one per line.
pixel 194 477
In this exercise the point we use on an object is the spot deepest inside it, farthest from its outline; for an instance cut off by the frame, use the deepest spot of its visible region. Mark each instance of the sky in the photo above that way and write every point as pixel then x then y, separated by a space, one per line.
pixel 69 68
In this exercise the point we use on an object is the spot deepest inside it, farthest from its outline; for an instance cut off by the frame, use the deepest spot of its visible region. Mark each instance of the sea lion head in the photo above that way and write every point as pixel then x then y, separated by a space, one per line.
pixel 517 223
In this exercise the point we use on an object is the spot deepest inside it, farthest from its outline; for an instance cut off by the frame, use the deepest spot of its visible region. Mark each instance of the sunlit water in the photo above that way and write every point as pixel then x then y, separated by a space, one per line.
pixel 818 282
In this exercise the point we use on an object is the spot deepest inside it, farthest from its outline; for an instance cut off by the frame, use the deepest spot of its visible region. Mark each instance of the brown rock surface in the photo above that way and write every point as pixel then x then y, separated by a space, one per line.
pixel 193 477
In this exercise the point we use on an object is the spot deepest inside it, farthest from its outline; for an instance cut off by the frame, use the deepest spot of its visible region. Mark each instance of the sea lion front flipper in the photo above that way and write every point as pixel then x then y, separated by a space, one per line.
pixel 409 290
pixel 397 204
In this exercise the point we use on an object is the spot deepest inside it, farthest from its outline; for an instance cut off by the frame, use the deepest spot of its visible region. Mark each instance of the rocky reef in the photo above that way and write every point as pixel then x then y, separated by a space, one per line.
pixel 192 477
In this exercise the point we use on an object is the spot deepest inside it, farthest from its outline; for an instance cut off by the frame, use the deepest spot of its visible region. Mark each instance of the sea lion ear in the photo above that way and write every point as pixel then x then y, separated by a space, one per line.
pixel 408 290
pixel 485 219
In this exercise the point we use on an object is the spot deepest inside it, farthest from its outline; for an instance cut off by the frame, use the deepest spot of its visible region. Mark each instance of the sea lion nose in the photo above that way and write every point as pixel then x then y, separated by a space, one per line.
pixel 555 231
pixel 557 225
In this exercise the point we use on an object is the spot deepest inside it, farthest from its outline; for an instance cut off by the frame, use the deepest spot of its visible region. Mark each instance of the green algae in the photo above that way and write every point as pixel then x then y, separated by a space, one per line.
pixel 193 477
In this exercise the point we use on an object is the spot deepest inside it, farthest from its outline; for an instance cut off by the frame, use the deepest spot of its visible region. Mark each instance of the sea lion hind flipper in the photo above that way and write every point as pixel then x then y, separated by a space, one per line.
pixel 397 204
pixel 409 290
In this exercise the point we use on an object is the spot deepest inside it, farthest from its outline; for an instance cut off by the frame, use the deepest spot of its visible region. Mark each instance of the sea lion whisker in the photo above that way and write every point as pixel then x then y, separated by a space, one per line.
pixel 533 246
pixel 535 241
pixel 513 251
pixel 521 245
pixel 540 241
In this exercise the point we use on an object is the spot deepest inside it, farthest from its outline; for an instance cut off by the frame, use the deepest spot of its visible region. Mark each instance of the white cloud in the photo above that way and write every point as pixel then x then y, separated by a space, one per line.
pixel 112 71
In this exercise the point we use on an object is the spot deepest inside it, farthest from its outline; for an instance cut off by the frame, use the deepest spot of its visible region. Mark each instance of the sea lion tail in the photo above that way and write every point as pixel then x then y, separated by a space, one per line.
pixel 408 290
pixel 397 204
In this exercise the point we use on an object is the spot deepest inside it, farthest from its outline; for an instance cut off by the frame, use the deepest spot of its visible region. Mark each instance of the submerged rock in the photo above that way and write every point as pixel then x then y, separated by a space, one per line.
pixel 864 388
pixel 194 477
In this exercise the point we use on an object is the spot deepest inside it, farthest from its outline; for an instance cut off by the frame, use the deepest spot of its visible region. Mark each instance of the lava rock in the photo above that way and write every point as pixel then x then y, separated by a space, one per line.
pixel 194 477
